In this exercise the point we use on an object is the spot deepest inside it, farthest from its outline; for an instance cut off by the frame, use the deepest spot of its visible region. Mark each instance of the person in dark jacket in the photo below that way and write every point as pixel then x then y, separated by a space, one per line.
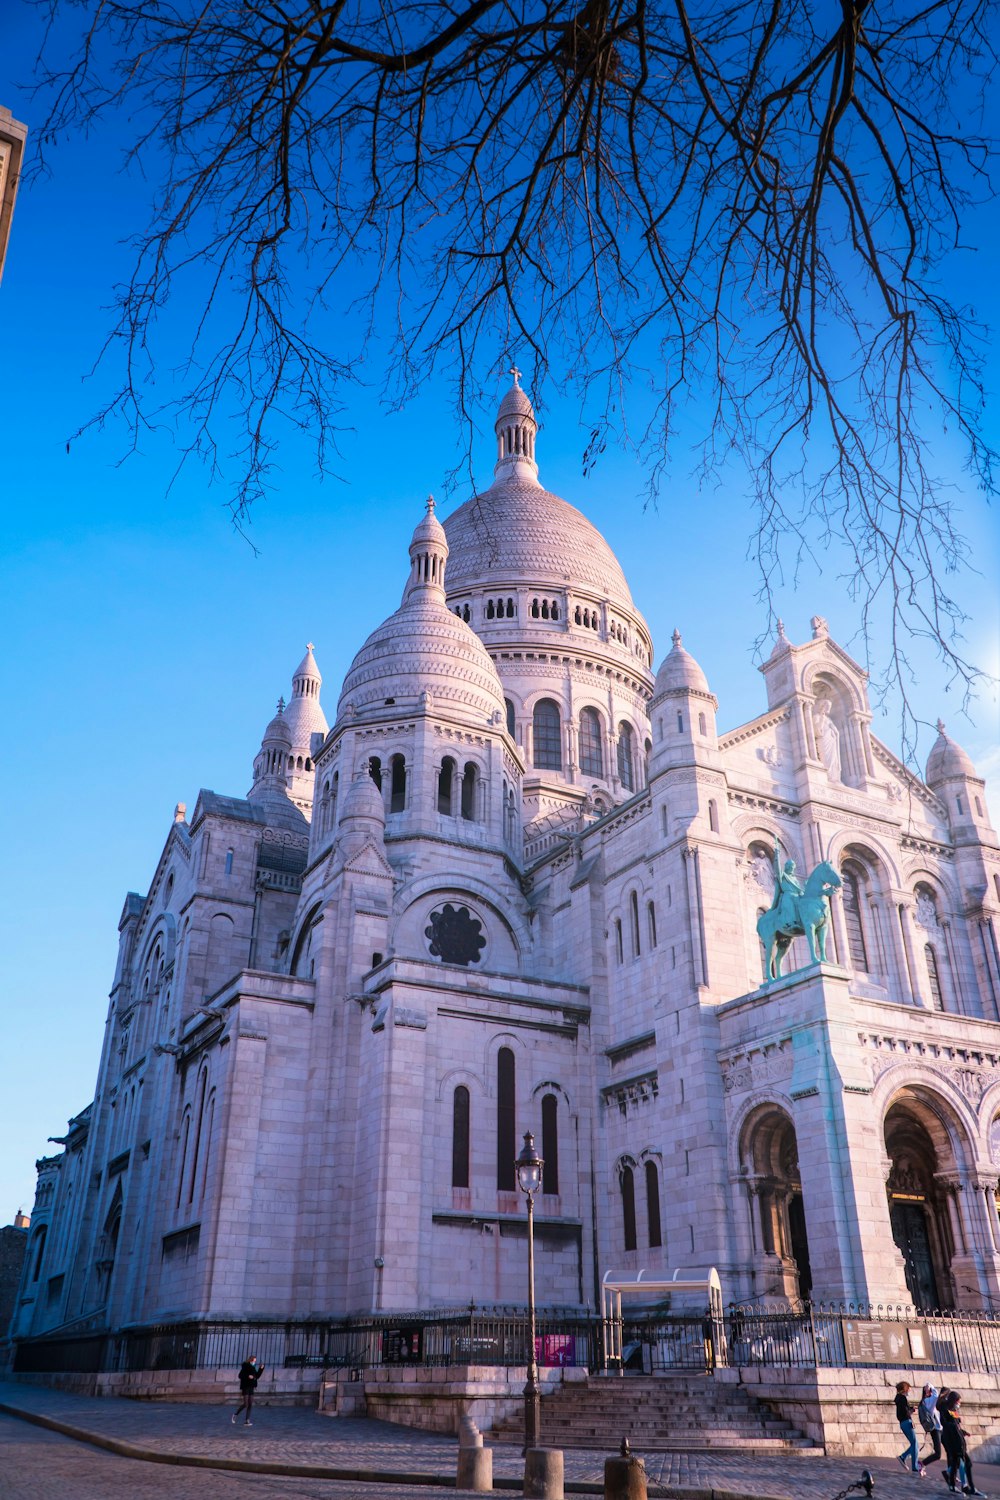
pixel 904 1416
pixel 955 1443
pixel 250 1373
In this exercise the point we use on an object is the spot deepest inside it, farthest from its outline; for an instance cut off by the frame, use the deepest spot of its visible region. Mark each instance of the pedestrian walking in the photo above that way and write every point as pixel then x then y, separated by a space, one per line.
pixel 955 1442
pixel 250 1373
pixel 930 1420
pixel 904 1416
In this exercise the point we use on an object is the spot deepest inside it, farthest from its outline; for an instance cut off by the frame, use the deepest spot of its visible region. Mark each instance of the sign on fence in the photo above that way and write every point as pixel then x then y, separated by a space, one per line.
pixel 868 1343
pixel 557 1349
pixel 402 1346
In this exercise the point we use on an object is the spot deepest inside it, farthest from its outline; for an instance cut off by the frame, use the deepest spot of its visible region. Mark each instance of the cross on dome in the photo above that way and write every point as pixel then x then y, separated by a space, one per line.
pixel 676 637
pixel 515 372
pixel 940 726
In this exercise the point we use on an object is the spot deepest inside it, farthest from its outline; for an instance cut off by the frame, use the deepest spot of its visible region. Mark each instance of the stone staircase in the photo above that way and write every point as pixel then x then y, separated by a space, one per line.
pixel 671 1413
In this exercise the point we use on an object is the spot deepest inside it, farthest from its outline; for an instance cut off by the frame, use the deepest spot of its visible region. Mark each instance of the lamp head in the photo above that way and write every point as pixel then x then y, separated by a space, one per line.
pixel 529 1167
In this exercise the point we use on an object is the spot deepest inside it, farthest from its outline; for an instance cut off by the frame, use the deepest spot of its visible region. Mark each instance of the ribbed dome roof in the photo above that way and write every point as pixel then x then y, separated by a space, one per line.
pixel 363 800
pixel 424 648
pixel 519 529
pixel 278 728
pixel 947 759
pixel 515 404
pixel 679 672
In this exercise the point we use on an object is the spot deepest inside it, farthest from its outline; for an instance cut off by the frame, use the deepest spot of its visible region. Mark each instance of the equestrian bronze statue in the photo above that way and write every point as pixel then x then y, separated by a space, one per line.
pixel 797 911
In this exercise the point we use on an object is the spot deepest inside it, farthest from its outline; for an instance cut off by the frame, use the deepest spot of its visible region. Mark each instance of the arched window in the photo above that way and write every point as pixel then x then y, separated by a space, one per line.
pixel 547 735
pixel 185 1136
pixel 626 757
pixel 619 947
pixel 933 978
pixel 460 1138
pixel 469 792
pixel 397 798
pixel 628 1207
pixel 653 1205
pixel 446 780
pixel 40 1238
pixel 702 725
pixel 199 1127
pixel 375 771
pixel 651 923
pixel 550 1145
pixel 511 723
pixel 506 1126
pixel 854 879
pixel 229 861
pixel 633 902
pixel 713 816
pixel 591 749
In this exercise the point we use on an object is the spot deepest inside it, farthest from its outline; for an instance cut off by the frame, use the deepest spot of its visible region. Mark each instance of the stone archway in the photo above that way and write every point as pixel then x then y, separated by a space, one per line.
pixel 771 1163
pixel 922 1168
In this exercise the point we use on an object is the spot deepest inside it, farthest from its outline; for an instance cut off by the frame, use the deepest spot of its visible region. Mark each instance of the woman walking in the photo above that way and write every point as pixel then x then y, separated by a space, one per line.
pixel 904 1416
pixel 930 1421
pixel 955 1441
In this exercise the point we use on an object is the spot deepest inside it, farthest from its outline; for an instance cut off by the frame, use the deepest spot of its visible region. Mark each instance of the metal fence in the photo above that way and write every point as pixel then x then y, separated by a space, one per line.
pixel 766 1335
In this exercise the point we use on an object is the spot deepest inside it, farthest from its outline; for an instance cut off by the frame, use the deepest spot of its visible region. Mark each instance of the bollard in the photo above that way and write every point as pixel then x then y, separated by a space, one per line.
pixel 475 1469
pixel 543 1474
pixel 475 1463
pixel 624 1478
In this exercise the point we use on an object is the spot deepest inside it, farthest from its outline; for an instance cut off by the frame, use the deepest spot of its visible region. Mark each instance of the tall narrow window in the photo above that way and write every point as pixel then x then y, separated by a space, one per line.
pixel 591 749
pixel 633 903
pixel 653 1205
pixel 375 771
pixel 651 920
pixel 619 948
pixel 506 1126
pixel 628 1207
pixel 550 1145
pixel 199 1126
pixel 547 735
pixel 469 792
pixel 446 777
pixel 626 757
pixel 933 978
pixel 229 861
pixel 460 1138
pixel 713 817
pixel 853 919
pixel 511 722
pixel 397 800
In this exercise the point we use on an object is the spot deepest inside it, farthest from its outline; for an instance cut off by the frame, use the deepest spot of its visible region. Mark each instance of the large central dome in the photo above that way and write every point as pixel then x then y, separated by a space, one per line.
pixel 516 530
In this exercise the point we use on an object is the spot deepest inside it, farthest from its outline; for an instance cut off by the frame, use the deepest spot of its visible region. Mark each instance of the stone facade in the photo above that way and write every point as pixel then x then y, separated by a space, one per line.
pixel 515 886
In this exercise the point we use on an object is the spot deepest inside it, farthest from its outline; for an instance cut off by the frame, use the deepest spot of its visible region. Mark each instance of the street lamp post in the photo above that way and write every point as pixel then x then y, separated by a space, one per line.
pixel 529 1179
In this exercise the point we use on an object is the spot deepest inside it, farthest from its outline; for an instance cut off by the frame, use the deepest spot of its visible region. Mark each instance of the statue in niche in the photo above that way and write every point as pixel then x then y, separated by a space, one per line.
pixel 827 738
pixel 926 915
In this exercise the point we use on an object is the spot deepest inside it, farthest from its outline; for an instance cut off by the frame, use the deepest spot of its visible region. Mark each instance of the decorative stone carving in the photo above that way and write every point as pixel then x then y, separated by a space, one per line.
pixel 925 914
pixel 827 738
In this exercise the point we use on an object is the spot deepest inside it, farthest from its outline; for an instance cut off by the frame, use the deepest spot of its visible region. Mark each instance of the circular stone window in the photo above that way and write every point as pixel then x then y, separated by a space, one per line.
pixel 454 935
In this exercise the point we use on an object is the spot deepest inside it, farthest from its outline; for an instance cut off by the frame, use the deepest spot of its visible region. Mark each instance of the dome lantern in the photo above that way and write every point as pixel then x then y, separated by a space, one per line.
pixel 428 556
pixel 516 430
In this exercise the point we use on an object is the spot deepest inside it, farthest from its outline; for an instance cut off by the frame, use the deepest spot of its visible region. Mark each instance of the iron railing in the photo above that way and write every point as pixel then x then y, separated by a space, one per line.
pixel 765 1335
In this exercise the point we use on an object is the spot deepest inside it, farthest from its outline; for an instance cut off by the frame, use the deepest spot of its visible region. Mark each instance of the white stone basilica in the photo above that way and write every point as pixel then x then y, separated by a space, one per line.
pixel 515 887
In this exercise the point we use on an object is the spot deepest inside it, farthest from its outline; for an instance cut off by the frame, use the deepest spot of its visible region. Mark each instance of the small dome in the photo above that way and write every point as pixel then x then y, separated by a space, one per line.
pixel 515 404
pixel 424 652
pixel 304 716
pixel 278 728
pixel 363 801
pixel 947 759
pixel 680 673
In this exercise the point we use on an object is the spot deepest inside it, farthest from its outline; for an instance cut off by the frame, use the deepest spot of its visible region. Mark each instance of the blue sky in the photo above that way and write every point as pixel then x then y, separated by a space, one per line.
pixel 145 642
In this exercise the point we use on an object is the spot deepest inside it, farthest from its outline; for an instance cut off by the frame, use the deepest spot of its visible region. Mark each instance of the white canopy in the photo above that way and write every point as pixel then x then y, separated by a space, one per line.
pixel 615 1286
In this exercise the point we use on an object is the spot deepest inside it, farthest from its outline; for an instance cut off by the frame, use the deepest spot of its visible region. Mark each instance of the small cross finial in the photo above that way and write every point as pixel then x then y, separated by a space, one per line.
pixel 281 706
pixel 940 726
pixel 676 637
pixel 309 645
pixel 515 372
pixel 430 505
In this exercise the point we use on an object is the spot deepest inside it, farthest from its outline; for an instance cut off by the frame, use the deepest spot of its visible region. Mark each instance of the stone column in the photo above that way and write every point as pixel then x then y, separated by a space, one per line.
pixel 953 986
pixel 909 969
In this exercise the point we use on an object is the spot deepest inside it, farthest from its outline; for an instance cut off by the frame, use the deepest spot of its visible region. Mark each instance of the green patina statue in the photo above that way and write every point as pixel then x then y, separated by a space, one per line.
pixel 797 911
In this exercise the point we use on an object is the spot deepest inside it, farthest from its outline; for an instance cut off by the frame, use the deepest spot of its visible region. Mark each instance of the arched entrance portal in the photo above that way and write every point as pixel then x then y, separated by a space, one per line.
pixel 916 1141
pixel 771 1165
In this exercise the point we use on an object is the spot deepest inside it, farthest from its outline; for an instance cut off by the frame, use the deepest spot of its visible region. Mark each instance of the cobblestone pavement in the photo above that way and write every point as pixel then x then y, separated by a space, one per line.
pixel 379 1456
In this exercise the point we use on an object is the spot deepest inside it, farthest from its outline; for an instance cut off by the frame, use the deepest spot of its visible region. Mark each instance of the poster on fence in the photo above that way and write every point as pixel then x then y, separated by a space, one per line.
pixel 557 1349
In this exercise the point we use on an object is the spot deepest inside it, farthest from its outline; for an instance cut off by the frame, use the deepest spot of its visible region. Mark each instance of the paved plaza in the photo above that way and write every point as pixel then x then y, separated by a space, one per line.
pixel 189 1451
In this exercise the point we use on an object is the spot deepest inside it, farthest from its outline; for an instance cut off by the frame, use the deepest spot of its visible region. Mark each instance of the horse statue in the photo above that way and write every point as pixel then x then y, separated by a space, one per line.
pixel 797 911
